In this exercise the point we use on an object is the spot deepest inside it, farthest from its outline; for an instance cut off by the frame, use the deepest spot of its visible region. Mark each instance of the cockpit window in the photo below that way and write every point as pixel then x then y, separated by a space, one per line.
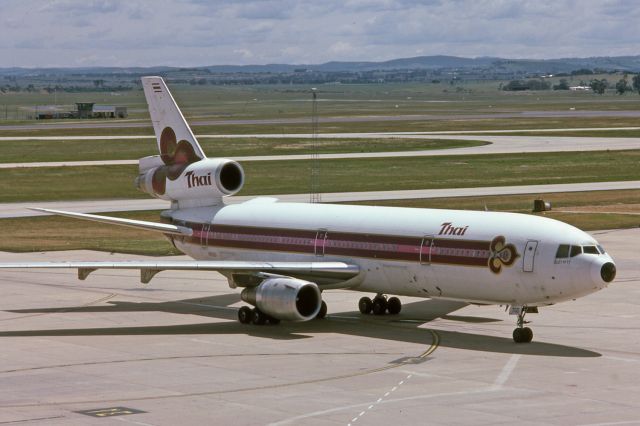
pixel 601 250
pixel 576 250
pixel 590 250
pixel 563 251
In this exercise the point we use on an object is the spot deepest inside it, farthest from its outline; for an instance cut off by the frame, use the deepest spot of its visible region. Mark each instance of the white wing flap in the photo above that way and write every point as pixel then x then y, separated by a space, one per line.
pixel 333 271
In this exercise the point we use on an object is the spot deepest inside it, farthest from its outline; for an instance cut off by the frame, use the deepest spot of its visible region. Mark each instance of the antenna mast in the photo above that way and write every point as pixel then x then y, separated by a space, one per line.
pixel 314 181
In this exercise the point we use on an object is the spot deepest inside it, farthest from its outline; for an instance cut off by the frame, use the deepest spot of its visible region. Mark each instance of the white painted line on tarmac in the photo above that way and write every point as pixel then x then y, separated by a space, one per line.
pixel 296 419
pixel 380 400
pixel 506 371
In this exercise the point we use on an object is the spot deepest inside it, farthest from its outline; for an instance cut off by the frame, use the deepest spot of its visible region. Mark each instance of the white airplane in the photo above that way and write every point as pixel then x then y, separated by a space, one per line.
pixel 283 255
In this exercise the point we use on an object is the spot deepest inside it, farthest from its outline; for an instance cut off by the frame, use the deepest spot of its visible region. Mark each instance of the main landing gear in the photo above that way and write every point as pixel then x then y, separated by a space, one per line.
pixel 522 334
pixel 247 315
pixel 380 305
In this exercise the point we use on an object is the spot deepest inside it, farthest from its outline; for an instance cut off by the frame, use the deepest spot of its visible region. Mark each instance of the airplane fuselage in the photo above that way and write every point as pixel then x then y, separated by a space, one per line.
pixel 471 256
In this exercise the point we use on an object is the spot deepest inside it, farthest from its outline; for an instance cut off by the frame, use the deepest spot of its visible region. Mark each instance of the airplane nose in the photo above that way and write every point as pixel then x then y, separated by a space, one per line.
pixel 608 272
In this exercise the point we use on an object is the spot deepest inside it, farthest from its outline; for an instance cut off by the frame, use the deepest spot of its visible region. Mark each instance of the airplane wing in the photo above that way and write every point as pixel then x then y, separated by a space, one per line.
pixel 325 274
pixel 140 224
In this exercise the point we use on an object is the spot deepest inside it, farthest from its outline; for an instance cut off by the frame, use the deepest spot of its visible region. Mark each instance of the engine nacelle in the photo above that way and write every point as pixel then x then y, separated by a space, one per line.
pixel 207 179
pixel 288 299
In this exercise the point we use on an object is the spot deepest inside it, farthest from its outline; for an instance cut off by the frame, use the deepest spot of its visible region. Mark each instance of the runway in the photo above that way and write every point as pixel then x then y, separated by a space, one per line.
pixel 337 119
pixel 9 210
pixel 497 145
pixel 172 353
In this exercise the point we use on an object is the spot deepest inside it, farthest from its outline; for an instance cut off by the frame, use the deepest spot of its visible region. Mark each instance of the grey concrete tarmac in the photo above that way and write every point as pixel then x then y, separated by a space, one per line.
pixel 496 145
pixel 9 210
pixel 175 351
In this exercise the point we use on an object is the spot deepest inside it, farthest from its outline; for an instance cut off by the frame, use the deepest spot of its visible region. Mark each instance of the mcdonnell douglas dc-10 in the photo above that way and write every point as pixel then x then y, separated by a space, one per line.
pixel 284 255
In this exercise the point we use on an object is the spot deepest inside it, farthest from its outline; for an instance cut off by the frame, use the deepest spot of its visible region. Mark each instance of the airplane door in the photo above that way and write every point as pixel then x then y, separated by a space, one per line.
pixel 528 260
pixel 204 235
pixel 320 242
pixel 425 249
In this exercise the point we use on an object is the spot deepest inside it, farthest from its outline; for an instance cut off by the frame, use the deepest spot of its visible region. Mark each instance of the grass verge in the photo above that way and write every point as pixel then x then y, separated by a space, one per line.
pixel 49 233
pixel 131 149
pixel 344 175
pixel 402 124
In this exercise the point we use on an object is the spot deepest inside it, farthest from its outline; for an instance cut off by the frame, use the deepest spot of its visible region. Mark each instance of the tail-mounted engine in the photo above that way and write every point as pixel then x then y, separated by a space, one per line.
pixel 203 182
pixel 288 299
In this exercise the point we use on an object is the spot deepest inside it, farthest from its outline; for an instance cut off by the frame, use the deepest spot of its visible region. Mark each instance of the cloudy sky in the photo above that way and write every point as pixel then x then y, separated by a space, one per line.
pixel 199 32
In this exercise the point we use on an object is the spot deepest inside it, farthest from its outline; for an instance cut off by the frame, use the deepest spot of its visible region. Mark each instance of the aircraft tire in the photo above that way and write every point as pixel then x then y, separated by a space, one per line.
pixel 259 318
pixel 245 315
pixel 273 321
pixel 379 306
pixel 522 335
pixel 365 305
pixel 394 305
pixel 323 311
pixel 517 335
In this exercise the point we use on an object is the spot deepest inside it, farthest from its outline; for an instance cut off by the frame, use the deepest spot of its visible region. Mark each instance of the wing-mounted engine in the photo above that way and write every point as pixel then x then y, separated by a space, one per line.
pixel 199 183
pixel 285 298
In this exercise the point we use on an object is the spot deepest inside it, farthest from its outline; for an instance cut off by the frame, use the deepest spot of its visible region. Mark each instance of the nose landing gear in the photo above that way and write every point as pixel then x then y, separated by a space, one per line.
pixel 523 334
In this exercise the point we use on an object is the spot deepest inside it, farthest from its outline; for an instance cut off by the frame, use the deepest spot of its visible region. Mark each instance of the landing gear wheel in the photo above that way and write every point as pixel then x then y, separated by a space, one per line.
pixel 245 315
pixel 394 306
pixel 323 311
pixel 259 318
pixel 272 320
pixel 379 306
pixel 522 335
pixel 365 305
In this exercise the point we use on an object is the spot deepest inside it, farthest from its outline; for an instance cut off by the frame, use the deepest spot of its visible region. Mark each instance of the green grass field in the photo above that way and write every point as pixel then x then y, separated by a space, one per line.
pixel 406 124
pixel 258 101
pixel 133 149
pixel 344 175
pixel 344 100
pixel 61 233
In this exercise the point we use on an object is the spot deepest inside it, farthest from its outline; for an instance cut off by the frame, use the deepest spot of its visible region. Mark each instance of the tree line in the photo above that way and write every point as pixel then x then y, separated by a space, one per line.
pixel 598 86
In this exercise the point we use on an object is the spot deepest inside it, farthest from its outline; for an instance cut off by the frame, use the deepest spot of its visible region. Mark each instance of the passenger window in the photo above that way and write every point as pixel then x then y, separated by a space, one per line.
pixel 590 250
pixel 576 250
pixel 563 251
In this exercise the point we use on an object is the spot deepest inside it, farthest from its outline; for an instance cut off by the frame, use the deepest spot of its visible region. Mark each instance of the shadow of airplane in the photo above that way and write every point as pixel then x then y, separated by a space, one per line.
pixel 404 327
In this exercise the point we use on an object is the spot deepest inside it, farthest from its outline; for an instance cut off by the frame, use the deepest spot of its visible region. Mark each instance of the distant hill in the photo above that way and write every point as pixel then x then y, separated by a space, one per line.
pixel 495 65
pixel 624 63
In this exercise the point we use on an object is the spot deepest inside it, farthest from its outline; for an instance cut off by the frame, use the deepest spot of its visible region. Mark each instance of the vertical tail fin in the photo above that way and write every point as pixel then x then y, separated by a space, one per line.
pixel 176 142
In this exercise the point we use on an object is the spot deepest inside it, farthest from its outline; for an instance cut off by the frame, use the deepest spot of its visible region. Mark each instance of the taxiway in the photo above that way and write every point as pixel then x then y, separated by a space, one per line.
pixel 495 145
pixel 8 210
pixel 173 353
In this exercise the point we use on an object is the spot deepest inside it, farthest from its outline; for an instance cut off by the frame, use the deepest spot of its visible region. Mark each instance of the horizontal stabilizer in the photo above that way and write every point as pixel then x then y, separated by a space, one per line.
pixel 139 224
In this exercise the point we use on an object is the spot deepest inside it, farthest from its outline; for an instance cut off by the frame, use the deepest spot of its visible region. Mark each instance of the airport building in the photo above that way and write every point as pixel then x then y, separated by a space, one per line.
pixel 83 110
